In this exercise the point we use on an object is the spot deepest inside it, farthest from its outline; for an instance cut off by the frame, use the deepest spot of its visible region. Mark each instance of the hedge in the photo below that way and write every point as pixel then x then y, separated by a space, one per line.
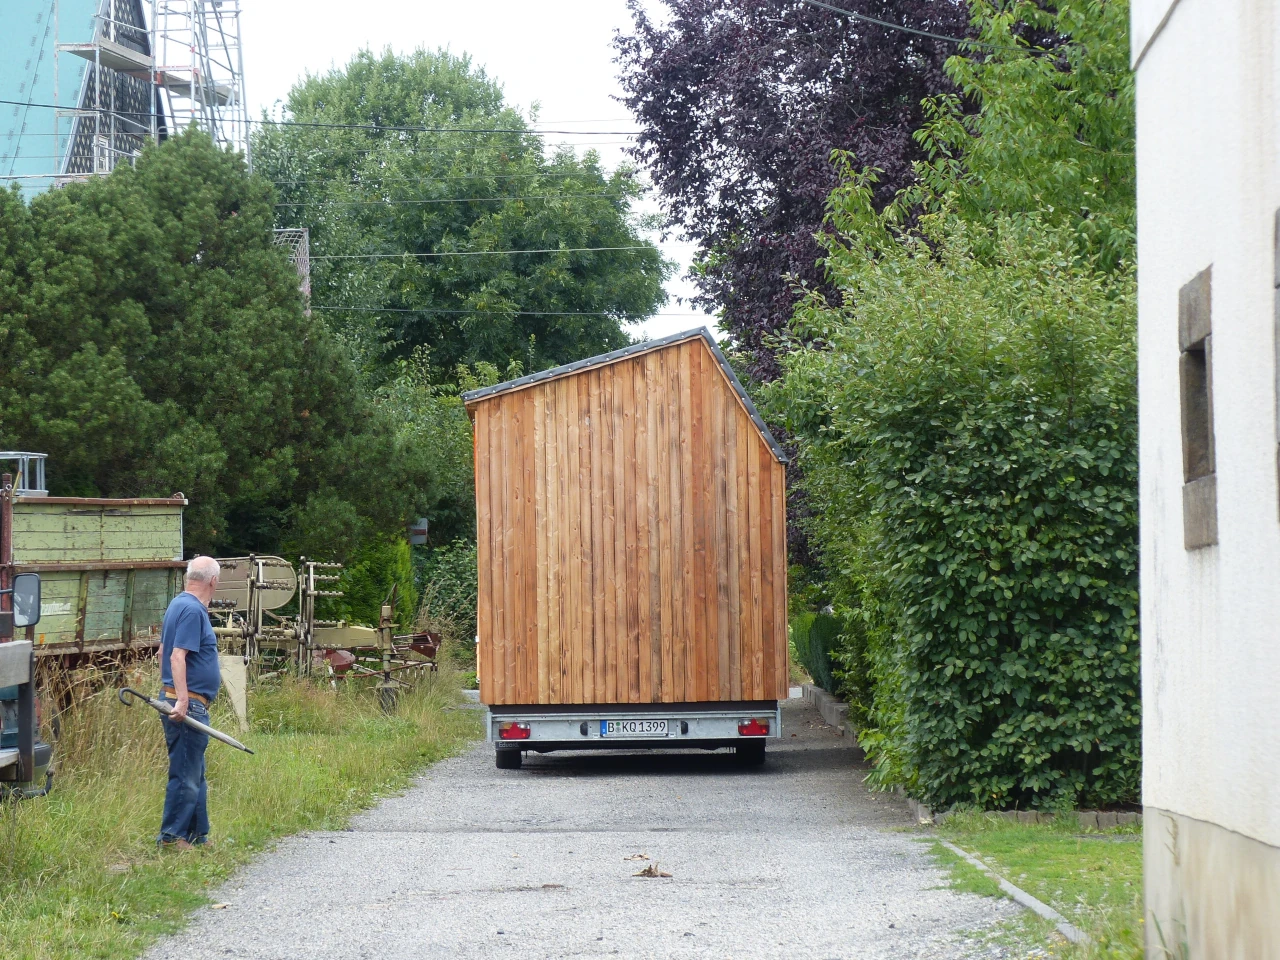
pixel 968 434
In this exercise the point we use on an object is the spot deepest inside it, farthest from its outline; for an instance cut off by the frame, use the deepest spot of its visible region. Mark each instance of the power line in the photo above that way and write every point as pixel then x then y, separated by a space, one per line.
pixel 470 176
pixel 478 253
pixel 376 127
pixel 514 313
pixel 383 203
pixel 889 25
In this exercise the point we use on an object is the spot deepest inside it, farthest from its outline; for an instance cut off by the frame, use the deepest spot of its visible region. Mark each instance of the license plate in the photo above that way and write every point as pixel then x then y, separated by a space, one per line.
pixel 633 728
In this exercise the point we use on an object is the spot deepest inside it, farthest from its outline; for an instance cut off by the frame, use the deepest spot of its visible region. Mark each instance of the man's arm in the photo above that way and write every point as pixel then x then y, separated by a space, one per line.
pixel 178 666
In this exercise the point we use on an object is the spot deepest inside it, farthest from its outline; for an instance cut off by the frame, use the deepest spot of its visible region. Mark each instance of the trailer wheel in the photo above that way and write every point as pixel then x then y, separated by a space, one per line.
pixel 508 759
pixel 751 753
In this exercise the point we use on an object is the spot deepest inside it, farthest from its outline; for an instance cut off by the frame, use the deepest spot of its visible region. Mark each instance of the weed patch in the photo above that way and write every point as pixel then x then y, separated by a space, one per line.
pixel 79 871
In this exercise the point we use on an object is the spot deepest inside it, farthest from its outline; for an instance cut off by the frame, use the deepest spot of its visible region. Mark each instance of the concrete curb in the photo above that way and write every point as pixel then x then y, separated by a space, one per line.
pixel 1020 896
pixel 833 711
pixel 1088 819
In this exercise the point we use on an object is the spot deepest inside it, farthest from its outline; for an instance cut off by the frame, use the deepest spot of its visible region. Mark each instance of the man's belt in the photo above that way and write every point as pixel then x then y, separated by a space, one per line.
pixel 198 698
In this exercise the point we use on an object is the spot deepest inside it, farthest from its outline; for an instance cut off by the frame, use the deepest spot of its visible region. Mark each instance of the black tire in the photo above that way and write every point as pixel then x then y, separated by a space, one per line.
pixel 751 753
pixel 508 759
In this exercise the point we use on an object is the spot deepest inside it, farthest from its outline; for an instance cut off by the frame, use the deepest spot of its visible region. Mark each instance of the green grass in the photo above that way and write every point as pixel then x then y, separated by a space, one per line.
pixel 1093 879
pixel 79 872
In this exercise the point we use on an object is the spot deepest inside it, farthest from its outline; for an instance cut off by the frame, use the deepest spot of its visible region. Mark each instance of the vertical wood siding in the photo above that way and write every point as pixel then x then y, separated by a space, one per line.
pixel 632 538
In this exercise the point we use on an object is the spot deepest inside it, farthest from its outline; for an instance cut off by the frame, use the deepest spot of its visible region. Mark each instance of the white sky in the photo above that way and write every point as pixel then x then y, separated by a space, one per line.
pixel 556 53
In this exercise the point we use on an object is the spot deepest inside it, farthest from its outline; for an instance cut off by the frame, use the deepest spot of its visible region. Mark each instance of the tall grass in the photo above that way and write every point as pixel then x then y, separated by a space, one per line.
pixel 80 875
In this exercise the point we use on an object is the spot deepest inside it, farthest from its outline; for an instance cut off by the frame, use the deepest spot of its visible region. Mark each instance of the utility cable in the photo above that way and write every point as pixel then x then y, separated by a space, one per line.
pixel 889 25
pixel 376 127
pixel 478 253
pixel 385 203
pixel 470 176
pixel 514 313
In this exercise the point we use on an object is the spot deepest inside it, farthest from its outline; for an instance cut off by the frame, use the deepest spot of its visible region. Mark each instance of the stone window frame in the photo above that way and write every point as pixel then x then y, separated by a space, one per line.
pixel 1195 394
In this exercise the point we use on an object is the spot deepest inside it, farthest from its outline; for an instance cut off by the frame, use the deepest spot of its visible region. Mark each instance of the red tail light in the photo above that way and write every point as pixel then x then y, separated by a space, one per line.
pixel 755 727
pixel 516 731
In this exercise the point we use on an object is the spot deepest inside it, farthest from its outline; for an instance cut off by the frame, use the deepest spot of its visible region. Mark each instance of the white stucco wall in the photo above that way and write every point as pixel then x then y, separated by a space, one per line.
pixel 1207 194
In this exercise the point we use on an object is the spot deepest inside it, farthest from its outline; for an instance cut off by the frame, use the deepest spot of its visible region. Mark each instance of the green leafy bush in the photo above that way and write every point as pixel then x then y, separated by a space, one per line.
pixel 367 580
pixel 449 591
pixel 968 433
pixel 815 637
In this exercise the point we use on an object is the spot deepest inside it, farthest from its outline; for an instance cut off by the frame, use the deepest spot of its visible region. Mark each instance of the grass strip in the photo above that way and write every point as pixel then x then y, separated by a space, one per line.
pixel 80 875
pixel 1092 878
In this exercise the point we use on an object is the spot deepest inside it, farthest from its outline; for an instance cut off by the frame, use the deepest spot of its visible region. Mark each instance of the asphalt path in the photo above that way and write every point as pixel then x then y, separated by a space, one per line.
pixel 792 859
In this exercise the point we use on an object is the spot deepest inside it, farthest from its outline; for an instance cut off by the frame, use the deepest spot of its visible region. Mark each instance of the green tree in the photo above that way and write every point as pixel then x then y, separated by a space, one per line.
pixel 969 442
pixel 967 427
pixel 366 193
pixel 1053 132
pixel 154 340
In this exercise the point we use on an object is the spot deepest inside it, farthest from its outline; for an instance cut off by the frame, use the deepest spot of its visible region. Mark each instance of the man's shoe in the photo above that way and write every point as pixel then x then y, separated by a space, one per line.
pixel 175 845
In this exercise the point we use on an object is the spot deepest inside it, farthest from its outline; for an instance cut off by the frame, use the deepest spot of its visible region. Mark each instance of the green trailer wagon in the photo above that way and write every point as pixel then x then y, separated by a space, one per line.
pixel 108 569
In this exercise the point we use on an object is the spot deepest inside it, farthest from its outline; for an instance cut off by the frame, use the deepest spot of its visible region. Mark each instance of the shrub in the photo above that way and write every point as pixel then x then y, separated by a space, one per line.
pixel 815 637
pixel 367 581
pixel 968 433
pixel 449 591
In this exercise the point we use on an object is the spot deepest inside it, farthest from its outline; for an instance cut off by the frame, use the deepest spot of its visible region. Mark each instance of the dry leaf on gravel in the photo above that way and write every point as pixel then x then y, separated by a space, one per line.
pixel 651 871
pixel 637 856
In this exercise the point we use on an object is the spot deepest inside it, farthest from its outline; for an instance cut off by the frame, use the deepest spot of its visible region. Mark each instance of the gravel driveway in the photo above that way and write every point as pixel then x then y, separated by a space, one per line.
pixel 791 859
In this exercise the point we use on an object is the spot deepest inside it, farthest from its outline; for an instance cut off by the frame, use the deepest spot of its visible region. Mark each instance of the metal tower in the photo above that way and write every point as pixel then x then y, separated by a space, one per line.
pixel 200 68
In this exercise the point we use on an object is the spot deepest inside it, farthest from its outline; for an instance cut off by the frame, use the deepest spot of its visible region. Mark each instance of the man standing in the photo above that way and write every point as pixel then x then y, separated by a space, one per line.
pixel 190 676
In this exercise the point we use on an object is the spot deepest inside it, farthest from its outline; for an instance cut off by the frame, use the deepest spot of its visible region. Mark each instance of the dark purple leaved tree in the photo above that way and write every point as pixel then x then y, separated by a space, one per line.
pixel 741 103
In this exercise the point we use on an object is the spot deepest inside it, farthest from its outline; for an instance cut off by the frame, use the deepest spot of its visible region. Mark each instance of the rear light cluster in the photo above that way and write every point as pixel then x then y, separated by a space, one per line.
pixel 513 731
pixel 755 727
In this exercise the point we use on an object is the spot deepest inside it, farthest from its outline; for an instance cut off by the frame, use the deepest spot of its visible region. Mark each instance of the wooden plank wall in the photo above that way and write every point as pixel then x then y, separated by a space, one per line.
pixel 632 539
pixel 52 532
pixel 117 607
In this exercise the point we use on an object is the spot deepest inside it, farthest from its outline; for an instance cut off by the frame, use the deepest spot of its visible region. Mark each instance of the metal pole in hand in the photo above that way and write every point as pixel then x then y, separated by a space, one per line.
pixel 165 710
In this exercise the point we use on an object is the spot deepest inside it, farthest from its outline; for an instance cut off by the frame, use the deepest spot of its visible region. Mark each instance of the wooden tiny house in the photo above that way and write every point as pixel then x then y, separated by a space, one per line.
pixel 632 533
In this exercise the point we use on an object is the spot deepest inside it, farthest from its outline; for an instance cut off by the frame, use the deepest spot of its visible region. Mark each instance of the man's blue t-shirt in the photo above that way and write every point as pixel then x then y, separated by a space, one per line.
pixel 186 625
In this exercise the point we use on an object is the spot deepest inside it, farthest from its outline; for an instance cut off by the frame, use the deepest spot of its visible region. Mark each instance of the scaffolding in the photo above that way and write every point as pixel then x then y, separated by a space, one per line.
pixel 200 68
pixel 116 108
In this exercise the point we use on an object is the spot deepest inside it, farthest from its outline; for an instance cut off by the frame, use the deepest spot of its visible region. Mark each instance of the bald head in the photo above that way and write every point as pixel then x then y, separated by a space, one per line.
pixel 202 578
pixel 202 570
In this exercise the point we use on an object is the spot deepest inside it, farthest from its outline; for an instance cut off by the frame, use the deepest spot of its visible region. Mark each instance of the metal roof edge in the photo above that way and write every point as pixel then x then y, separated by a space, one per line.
pixel 645 346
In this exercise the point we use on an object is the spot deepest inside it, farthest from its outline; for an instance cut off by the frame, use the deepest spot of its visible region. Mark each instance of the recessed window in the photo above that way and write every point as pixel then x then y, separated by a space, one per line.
pixel 1276 318
pixel 1195 383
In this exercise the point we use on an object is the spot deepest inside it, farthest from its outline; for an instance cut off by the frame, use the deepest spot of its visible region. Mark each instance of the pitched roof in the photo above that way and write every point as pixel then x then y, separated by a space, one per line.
pixel 646 346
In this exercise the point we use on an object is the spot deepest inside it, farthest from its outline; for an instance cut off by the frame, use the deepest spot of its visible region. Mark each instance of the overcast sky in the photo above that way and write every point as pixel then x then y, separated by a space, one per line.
pixel 556 53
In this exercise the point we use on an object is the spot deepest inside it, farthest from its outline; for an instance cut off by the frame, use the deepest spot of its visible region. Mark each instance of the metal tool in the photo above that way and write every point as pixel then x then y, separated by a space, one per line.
pixel 165 710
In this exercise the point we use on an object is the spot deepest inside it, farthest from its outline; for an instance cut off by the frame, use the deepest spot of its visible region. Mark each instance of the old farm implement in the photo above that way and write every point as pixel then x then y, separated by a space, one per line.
pixel 109 568
pixel 265 611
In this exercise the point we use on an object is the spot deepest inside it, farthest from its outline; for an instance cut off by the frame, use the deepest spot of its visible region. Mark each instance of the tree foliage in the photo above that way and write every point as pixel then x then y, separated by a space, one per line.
pixel 972 432
pixel 1053 134
pixel 153 340
pixel 457 187
pixel 742 103
pixel 966 416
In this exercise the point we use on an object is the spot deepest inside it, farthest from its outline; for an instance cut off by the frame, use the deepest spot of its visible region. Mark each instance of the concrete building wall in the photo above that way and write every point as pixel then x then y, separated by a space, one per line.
pixel 1208 193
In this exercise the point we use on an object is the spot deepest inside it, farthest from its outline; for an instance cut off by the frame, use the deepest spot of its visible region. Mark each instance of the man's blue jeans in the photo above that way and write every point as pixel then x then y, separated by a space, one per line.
pixel 186 813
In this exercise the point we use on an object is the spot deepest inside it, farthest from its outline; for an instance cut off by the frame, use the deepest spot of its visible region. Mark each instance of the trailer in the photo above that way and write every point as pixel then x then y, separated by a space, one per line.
pixel 631 528
pixel 108 567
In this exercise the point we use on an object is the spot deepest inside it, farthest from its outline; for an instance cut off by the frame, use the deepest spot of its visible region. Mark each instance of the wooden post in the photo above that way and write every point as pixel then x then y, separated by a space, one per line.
pixel 386 689
pixel 6 545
